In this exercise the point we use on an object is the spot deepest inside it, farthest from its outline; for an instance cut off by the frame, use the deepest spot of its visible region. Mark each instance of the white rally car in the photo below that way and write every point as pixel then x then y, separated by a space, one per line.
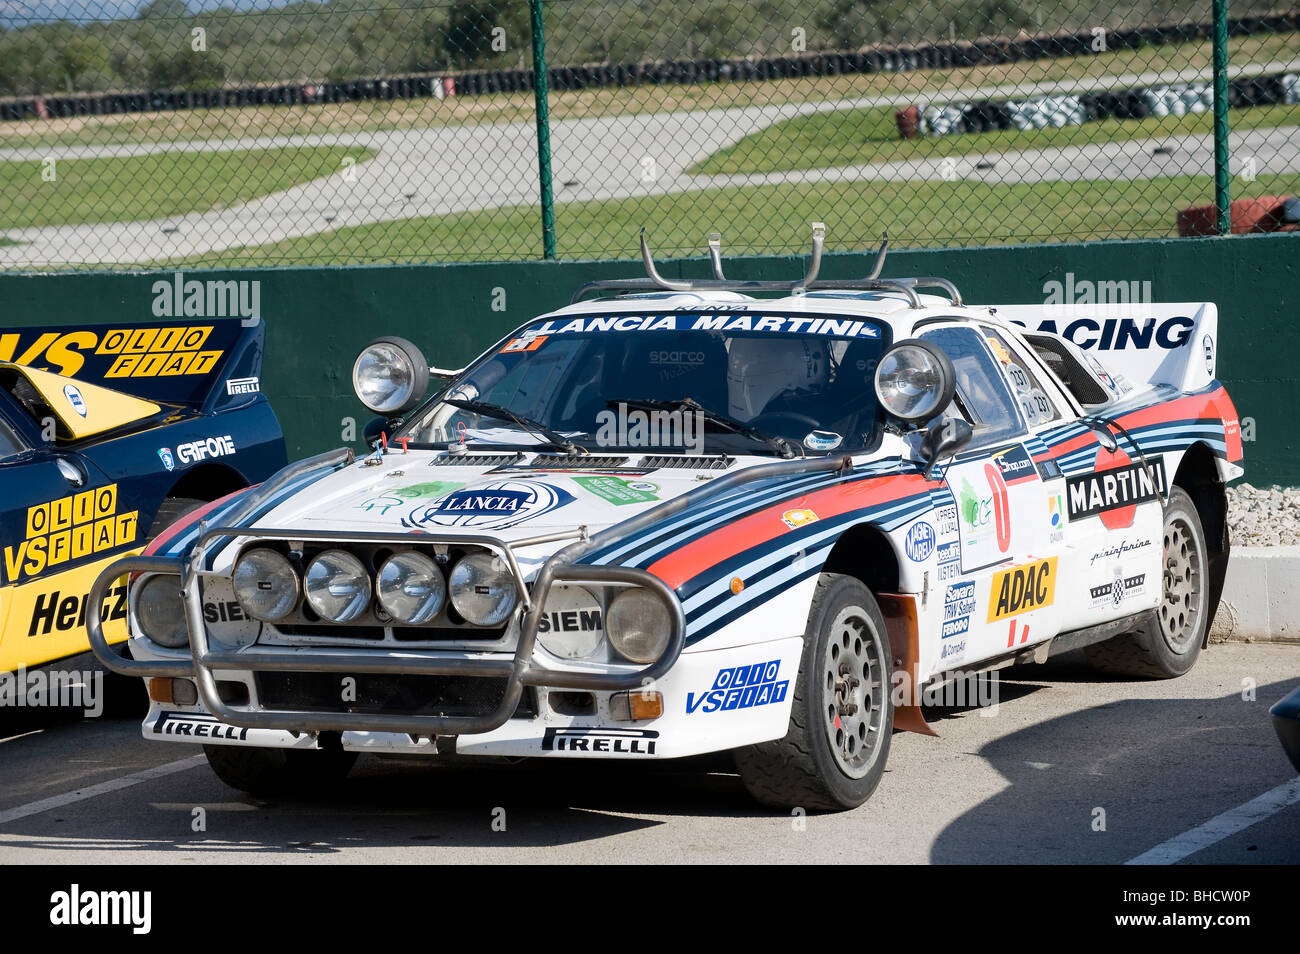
pixel 696 516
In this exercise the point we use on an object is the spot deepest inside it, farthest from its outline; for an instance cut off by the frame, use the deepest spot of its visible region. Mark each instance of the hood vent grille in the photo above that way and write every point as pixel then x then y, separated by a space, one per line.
pixel 577 461
pixel 687 463
pixel 475 460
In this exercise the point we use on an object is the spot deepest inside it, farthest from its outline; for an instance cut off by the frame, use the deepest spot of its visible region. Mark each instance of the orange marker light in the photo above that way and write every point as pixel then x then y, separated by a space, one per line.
pixel 737 584
pixel 160 690
pixel 646 705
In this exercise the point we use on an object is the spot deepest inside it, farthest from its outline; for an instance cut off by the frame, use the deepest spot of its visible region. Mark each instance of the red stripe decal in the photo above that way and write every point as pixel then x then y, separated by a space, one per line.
pixel 758 528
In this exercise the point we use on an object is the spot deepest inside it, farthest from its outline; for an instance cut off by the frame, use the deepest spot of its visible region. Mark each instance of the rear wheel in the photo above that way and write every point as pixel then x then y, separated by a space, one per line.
pixel 834 753
pixel 1168 642
pixel 279 771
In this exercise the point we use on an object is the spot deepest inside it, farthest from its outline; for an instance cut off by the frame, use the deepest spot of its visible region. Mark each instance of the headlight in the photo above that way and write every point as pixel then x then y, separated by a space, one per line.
pixel 160 612
pixel 483 589
pixel 571 625
pixel 337 586
pixel 914 381
pixel 638 625
pixel 411 588
pixel 390 376
pixel 266 584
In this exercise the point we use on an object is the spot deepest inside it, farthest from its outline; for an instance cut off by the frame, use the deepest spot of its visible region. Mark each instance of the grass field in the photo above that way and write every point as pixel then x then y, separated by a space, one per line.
pixel 917 214
pixel 123 189
pixel 512 107
pixel 855 136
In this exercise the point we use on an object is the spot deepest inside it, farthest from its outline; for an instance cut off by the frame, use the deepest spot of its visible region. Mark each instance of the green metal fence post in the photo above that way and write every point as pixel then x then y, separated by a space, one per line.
pixel 1222 199
pixel 540 95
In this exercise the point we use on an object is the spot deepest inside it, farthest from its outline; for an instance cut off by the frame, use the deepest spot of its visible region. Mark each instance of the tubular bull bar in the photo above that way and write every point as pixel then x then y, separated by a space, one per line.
pixel 201 660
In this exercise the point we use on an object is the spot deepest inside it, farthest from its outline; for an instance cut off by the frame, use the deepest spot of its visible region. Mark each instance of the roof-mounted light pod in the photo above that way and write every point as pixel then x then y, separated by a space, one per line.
pixel 915 381
pixel 390 376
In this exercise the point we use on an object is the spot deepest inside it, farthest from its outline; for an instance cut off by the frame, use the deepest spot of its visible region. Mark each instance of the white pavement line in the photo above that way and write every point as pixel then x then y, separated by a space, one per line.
pixel 21 735
pixel 1222 826
pixel 103 788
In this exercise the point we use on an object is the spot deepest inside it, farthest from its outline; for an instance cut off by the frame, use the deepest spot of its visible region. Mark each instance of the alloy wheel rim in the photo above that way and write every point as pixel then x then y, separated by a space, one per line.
pixel 1182 605
pixel 853 692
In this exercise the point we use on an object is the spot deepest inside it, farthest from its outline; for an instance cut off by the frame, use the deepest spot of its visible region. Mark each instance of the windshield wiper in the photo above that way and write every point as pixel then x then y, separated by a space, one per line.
pixel 536 428
pixel 779 444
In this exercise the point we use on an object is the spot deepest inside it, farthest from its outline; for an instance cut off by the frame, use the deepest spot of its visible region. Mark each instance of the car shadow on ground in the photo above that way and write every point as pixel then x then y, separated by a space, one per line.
pixel 1106 783
pixel 461 803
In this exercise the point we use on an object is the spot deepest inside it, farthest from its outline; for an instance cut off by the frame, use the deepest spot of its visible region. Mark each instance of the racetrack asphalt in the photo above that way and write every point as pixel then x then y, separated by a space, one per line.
pixel 1072 768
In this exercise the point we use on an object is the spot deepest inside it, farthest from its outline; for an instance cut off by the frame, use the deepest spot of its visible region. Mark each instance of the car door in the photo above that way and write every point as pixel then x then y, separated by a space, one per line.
pixel 1104 501
pixel 1002 595
pixel 58 527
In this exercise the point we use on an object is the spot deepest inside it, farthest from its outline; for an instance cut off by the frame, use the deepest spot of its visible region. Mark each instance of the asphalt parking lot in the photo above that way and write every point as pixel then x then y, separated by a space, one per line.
pixel 1071 767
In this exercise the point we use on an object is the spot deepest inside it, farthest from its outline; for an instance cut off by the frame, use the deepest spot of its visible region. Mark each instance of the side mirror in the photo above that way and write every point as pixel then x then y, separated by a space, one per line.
pixel 943 439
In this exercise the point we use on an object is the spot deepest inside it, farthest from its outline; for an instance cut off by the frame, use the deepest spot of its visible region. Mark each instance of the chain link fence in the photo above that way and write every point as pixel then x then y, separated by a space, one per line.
pixel 258 132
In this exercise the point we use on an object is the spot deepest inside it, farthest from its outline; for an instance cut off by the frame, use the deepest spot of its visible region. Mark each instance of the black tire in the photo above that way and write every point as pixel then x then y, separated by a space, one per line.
pixel 1169 640
pixel 172 509
pixel 279 771
pixel 834 753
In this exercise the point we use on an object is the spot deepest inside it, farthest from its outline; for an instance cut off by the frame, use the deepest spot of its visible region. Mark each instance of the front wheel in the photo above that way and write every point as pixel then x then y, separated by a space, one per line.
pixel 1168 642
pixel 834 753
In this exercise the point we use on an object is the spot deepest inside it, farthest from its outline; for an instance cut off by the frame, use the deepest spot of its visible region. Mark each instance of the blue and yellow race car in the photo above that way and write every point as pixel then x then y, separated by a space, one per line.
pixel 108 434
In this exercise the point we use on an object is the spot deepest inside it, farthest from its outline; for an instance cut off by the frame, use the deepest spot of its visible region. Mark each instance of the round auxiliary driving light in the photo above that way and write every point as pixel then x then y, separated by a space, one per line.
pixel 915 381
pixel 266 584
pixel 483 589
pixel 411 588
pixel 337 586
pixel 390 376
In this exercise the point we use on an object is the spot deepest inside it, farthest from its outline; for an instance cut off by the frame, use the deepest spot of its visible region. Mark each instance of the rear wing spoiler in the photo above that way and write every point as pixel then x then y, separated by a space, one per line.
pixel 1146 344
pixel 210 364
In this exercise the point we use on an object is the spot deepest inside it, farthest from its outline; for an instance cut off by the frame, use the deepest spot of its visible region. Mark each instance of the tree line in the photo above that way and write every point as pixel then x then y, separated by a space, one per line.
pixel 168 45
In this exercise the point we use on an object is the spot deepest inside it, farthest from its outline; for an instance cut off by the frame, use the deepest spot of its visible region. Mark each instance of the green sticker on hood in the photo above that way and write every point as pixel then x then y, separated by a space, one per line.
pixel 619 492
pixel 400 496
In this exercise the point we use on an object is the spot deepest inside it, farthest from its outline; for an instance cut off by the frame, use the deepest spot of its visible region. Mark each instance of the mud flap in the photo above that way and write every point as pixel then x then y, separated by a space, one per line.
pixel 899 610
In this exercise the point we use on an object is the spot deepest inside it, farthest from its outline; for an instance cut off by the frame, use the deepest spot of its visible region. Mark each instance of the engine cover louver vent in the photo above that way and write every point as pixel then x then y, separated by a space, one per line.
pixel 577 462
pixel 476 460
pixel 667 462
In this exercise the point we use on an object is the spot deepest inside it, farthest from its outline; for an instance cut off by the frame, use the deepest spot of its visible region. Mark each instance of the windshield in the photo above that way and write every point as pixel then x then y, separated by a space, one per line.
pixel 711 383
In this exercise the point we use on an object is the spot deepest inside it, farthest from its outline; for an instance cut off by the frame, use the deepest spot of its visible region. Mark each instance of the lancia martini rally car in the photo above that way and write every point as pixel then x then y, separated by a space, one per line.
pixel 696 516
pixel 108 434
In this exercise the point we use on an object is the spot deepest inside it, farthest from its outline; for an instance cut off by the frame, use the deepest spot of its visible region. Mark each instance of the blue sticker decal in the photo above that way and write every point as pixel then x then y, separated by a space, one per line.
pixel 493 506
pixel 165 455
pixel 823 440
pixel 741 687
pixel 920 542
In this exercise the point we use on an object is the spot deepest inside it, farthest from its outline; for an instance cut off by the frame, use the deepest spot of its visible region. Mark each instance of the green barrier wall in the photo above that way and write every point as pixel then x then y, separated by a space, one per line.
pixel 318 318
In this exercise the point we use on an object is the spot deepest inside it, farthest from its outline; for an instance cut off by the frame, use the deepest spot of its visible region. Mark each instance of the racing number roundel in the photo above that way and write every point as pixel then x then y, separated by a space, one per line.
pixel 1001 506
